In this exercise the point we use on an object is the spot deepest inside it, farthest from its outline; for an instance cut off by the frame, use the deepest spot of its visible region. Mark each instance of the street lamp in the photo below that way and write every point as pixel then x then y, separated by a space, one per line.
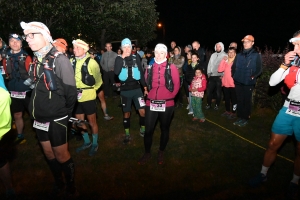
pixel 160 25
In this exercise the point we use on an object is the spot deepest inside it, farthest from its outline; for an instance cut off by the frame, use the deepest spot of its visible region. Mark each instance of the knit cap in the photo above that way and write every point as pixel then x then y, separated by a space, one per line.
pixel 161 47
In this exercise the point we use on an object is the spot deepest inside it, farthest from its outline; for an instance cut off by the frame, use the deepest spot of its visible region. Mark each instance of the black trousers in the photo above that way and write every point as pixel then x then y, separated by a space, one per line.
pixel 164 119
pixel 108 80
pixel 214 84
pixel 230 97
pixel 244 100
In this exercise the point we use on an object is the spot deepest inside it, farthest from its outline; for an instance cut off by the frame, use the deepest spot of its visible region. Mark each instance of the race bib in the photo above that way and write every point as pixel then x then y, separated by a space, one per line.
pixel 79 94
pixel 141 101
pixel 2 70
pixel 18 95
pixel 41 126
pixel 294 109
pixel 158 105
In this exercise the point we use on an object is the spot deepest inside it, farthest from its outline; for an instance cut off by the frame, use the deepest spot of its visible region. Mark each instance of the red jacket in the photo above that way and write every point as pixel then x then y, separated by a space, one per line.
pixel 159 90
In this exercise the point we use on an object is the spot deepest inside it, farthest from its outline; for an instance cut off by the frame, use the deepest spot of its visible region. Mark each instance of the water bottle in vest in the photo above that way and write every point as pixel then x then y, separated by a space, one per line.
pixel 49 77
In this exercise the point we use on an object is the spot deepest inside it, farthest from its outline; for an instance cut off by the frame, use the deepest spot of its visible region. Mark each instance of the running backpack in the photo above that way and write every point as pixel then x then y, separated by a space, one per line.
pixel 136 74
pixel 168 78
pixel 291 79
pixel 86 78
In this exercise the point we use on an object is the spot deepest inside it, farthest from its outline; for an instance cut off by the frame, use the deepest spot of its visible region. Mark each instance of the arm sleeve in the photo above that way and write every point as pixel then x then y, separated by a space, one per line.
pixel 258 66
pixel 139 64
pixel 209 66
pixel 175 79
pixel 204 83
pixel 278 76
pixel 66 73
pixel 118 65
pixel 233 67
pixel 222 65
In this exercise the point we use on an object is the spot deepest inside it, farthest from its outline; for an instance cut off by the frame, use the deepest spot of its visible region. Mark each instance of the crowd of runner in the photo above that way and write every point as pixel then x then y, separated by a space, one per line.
pixel 59 85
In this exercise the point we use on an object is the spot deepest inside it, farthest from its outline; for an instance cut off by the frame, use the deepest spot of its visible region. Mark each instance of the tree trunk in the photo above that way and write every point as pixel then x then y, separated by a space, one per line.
pixel 102 39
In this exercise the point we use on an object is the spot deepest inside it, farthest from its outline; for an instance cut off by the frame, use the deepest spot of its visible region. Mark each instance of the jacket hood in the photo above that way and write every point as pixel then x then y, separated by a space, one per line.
pixel 222 46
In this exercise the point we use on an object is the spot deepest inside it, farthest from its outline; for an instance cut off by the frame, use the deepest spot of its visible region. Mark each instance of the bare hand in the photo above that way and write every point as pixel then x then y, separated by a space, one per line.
pixel 289 57
pixel 225 58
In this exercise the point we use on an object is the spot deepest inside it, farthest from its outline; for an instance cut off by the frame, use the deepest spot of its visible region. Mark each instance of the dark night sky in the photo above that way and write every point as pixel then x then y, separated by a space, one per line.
pixel 271 22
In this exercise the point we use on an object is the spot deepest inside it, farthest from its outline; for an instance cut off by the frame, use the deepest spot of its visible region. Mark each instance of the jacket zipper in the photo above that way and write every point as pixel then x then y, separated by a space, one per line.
pixel 158 81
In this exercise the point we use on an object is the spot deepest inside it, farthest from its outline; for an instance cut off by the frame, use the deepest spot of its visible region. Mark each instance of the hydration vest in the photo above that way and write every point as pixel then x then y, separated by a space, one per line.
pixel 86 78
pixel 12 71
pixel 136 74
pixel 168 78
pixel 48 74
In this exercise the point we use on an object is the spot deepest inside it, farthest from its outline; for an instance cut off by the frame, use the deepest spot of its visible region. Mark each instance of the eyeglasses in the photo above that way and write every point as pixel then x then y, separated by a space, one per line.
pixel 30 35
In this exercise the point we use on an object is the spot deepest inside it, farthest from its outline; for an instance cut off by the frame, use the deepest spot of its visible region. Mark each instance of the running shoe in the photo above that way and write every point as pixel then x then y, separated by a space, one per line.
pixel 292 191
pixel 71 193
pixel 57 191
pixel 144 159
pixel 142 133
pixel 83 147
pixel 243 123
pixel 160 157
pixel 11 194
pixel 190 113
pixel 207 106
pixel 226 114
pixel 188 107
pixel 194 119
pixel 202 120
pixel 257 180
pixel 237 121
pixel 231 116
pixel 127 139
pixel 107 117
pixel 20 139
pixel 216 107
pixel 93 150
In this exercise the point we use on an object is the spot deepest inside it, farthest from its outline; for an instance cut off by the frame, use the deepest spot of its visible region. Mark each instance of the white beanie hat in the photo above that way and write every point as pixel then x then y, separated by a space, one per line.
pixel 39 26
pixel 161 47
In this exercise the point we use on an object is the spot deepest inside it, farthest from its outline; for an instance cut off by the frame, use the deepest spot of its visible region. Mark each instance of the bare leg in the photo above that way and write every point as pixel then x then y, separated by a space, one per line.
pixel 271 152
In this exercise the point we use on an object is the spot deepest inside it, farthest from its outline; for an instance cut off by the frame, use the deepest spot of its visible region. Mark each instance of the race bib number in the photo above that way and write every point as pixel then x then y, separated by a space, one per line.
pixel 294 109
pixel 141 101
pixel 2 70
pixel 79 94
pixel 41 126
pixel 18 95
pixel 158 105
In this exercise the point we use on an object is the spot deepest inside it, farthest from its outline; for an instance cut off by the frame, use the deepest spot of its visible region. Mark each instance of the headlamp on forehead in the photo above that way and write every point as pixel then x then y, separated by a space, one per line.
pixel 16 36
pixel 294 39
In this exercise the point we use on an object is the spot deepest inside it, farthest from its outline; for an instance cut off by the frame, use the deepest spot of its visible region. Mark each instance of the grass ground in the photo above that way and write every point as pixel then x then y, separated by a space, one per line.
pixel 211 160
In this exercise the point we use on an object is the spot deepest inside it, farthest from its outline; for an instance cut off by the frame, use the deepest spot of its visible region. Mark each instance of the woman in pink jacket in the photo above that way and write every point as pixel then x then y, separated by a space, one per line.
pixel 228 84
pixel 163 84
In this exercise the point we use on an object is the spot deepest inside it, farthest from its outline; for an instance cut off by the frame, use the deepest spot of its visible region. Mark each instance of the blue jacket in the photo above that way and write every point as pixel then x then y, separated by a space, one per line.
pixel 247 67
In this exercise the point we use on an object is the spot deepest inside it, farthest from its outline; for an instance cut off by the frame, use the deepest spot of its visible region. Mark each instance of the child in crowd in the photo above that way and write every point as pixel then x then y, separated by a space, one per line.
pixel 197 88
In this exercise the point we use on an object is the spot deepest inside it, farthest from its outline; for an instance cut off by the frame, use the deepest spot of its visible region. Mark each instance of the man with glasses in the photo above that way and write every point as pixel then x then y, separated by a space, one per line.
pixel 16 66
pixel 51 104
pixel 246 68
pixel 107 63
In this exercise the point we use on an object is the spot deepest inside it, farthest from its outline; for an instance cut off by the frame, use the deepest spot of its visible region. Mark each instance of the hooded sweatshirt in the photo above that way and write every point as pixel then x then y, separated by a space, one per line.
pixel 215 60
